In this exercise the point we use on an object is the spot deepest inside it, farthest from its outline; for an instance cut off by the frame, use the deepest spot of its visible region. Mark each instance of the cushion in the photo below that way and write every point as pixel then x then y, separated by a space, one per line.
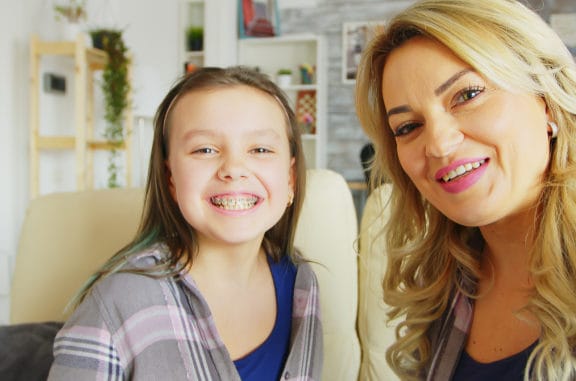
pixel 65 238
pixel 374 331
pixel 26 351
pixel 326 234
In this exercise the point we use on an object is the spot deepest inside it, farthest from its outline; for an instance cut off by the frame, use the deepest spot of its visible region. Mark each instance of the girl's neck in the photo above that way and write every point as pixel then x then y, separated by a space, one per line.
pixel 234 264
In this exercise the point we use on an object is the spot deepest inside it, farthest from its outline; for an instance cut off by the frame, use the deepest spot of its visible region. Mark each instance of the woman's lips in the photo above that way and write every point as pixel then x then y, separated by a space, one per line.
pixel 461 175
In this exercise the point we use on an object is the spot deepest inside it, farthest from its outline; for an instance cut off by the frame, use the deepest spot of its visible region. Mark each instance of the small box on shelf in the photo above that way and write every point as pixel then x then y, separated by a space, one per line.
pixel 307 74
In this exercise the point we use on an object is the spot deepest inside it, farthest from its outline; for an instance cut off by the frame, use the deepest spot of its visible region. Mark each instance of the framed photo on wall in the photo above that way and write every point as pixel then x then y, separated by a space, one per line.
pixel 565 25
pixel 258 18
pixel 355 37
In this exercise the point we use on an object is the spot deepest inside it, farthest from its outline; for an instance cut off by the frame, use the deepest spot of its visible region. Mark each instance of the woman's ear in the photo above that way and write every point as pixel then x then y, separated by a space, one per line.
pixel 546 108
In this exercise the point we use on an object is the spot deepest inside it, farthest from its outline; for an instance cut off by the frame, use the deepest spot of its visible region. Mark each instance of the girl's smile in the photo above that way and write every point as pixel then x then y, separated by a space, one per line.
pixel 234 202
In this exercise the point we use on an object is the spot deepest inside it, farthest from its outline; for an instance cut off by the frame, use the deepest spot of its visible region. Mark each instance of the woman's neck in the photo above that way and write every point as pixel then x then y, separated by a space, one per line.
pixel 507 246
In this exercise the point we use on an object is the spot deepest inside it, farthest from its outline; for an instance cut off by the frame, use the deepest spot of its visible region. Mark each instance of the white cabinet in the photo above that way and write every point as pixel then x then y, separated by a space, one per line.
pixel 218 20
pixel 270 54
pixel 191 42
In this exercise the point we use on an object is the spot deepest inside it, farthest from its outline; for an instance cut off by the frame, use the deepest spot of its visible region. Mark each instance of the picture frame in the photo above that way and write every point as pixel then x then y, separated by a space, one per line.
pixel 564 24
pixel 305 110
pixel 258 18
pixel 355 37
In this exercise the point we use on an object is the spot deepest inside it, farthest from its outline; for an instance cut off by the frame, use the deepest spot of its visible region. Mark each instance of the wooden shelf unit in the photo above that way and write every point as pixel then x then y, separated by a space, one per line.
pixel 270 54
pixel 87 60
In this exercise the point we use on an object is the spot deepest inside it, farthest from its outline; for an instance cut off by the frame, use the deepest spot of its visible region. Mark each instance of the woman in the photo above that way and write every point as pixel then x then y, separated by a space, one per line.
pixel 471 106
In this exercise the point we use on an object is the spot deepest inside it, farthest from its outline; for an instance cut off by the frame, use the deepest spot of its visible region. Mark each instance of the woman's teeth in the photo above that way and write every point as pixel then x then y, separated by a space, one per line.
pixel 462 169
pixel 234 203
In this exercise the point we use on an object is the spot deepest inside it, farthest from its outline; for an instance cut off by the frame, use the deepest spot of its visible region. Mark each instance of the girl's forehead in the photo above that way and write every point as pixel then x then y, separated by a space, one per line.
pixel 225 94
pixel 230 110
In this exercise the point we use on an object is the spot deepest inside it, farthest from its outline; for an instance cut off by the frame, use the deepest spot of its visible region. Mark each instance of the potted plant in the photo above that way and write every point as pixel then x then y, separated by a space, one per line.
pixel 101 36
pixel 115 87
pixel 73 11
pixel 284 77
pixel 70 15
pixel 195 38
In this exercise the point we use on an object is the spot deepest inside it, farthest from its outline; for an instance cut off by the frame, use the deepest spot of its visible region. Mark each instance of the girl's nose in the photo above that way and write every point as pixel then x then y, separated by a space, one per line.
pixel 232 168
pixel 442 139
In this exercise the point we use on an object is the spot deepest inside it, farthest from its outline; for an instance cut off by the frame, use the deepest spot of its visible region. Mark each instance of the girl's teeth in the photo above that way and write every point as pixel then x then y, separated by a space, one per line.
pixel 234 203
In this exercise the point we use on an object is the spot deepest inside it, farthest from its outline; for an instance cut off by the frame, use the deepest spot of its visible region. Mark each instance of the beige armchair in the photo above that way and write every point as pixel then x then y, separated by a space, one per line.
pixel 65 237
pixel 373 330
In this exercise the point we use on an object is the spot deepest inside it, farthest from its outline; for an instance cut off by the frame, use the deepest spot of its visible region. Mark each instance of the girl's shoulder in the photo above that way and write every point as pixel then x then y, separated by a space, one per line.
pixel 147 258
pixel 305 276
pixel 136 280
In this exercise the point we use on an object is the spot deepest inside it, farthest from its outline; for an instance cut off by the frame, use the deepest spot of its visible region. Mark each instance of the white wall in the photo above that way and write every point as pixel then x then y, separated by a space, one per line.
pixel 13 135
pixel 151 33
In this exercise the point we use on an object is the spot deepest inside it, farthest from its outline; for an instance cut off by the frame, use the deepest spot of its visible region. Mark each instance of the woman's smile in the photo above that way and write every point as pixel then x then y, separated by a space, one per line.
pixel 476 151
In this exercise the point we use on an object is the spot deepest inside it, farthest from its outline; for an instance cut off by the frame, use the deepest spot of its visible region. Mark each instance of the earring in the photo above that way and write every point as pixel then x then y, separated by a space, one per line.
pixel 554 127
pixel 290 199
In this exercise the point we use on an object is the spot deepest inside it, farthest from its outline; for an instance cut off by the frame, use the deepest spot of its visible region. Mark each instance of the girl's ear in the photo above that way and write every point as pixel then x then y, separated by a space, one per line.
pixel 171 186
pixel 292 178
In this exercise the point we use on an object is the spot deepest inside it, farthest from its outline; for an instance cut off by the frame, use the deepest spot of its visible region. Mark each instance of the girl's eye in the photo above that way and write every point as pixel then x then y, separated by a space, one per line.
pixel 468 94
pixel 261 150
pixel 205 150
pixel 406 128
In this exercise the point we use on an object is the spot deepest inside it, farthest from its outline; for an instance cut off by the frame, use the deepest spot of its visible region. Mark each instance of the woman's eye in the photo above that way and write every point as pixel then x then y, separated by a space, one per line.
pixel 468 94
pixel 406 128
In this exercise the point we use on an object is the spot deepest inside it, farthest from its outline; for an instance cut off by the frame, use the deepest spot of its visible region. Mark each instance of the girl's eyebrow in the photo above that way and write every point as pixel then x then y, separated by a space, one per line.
pixel 199 132
pixel 439 90
pixel 269 132
pixel 265 132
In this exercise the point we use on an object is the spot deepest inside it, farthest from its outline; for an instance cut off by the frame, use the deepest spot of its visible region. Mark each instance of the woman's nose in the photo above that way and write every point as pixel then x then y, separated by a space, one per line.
pixel 442 139
pixel 232 167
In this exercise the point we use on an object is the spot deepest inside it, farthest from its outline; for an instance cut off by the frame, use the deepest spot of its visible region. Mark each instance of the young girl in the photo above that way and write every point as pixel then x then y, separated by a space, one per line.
pixel 211 287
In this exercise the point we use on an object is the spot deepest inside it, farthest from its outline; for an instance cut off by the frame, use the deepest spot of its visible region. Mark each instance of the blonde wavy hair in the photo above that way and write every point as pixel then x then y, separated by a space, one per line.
pixel 429 255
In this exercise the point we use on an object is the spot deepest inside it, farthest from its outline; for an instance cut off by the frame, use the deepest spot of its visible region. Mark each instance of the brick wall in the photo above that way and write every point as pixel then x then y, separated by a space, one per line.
pixel 345 138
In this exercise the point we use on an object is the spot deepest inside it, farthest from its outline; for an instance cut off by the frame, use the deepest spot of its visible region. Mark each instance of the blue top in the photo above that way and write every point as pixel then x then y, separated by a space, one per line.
pixel 508 369
pixel 267 361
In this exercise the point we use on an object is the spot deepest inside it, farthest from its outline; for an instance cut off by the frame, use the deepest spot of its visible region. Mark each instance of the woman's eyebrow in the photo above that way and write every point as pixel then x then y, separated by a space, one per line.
pixel 439 90
pixel 450 81
pixel 398 110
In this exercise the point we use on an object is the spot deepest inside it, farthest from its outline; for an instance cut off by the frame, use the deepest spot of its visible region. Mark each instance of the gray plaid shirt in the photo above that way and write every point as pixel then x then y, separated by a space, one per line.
pixel 137 327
